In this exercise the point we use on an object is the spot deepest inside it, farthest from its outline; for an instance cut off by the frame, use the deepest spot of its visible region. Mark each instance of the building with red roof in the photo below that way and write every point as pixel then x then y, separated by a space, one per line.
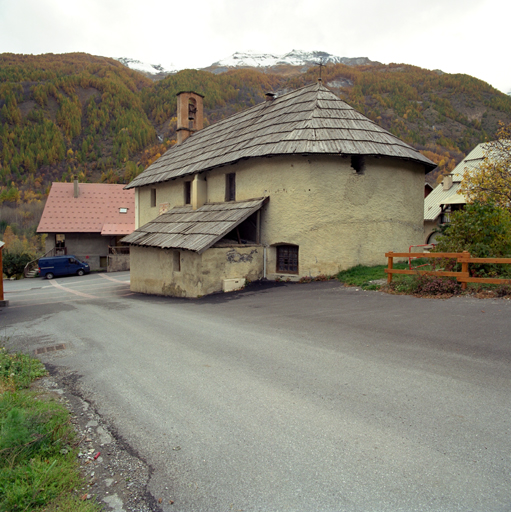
pixel 85 219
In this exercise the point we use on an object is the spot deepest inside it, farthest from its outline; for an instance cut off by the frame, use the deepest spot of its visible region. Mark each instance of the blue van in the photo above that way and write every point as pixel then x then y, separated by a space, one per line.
pixel 62 266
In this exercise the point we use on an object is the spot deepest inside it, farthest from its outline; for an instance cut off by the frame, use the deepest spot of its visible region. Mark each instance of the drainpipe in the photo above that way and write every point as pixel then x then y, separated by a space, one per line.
pixel 264 262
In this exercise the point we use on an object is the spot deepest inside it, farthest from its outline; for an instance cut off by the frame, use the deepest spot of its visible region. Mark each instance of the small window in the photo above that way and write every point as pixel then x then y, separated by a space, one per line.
pixel 230 187
pixel 153 197
pixel 60 241
pixel 287 259
pixel 123 210
pixel 188 192
pixel 177 261
pixel 358 163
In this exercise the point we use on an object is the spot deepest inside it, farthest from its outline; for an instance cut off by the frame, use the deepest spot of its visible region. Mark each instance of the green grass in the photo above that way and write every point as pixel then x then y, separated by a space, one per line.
pixel 423 285
pixel 361 276
pixel 38 454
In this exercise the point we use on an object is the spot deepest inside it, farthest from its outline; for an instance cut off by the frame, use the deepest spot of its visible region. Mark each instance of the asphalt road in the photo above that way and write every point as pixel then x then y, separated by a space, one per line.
pixel 291 397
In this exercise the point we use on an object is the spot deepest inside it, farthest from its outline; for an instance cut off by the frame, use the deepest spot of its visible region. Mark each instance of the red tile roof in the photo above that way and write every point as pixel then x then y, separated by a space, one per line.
pixel 95 210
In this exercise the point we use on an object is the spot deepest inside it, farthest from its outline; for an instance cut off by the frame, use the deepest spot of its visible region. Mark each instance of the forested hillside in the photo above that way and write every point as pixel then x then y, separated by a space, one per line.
pixel 91 117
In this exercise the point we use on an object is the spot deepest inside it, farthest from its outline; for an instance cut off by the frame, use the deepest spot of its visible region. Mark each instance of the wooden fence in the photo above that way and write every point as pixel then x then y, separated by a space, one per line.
pixel 462 277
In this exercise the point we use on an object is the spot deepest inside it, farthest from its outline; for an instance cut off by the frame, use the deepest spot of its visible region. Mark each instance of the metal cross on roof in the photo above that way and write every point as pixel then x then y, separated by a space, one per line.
pixel 321 65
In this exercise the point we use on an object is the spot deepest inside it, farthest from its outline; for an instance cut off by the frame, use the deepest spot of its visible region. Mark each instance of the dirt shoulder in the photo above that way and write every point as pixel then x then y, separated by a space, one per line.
pixel 116 475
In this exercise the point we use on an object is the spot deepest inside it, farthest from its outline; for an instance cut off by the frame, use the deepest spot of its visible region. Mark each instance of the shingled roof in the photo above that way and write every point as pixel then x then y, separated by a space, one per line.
pixel 97 209
pixel 193 230
pixel 310 120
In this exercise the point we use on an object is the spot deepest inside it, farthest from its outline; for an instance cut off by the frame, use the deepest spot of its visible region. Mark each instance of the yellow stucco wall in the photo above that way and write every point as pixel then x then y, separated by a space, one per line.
pixel 154 271
pixel 171 192
pixel 337 218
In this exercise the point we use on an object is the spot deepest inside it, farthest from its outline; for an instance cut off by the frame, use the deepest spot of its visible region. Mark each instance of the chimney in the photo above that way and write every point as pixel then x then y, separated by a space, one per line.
pixel 447 182
pixel 76 189
pixel 189 114
pixel 270 96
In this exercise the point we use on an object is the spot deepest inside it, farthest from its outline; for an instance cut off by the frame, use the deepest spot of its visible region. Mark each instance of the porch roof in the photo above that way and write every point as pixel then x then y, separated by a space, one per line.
pixel 193 230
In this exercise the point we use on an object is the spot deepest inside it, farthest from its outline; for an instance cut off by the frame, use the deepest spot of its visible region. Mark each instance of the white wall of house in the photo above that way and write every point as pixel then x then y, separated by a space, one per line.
pixel 337 217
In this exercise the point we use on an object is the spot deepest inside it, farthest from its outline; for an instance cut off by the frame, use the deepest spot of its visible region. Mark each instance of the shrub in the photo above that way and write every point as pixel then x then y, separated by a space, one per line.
pixel 432 285
pixel 14 263
pixel 482 229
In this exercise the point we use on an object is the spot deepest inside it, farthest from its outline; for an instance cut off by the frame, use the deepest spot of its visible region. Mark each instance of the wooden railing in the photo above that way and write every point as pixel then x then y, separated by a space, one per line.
pixel 462 277
pixel 118 249
pixel 32 265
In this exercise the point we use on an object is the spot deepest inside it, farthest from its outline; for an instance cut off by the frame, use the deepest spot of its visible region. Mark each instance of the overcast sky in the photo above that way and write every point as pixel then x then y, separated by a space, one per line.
pixel 456 36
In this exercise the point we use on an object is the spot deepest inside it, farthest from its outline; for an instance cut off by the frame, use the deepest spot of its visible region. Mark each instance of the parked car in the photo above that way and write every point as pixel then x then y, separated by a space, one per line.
pixel 62 266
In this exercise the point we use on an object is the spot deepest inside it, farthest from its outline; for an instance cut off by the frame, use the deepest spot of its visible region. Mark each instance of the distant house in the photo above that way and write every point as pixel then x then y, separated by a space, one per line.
pixel 445 199
pixel 85 219
pixel 297 186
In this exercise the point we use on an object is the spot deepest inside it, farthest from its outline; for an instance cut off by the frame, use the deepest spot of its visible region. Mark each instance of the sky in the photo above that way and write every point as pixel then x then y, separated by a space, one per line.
pixel 456 36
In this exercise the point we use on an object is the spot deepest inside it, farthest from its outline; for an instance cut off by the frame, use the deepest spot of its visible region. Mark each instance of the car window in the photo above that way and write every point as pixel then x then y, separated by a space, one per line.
pixel 72 260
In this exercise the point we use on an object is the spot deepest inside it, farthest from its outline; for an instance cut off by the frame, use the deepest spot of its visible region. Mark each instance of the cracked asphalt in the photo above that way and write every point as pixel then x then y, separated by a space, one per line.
pixel 310 397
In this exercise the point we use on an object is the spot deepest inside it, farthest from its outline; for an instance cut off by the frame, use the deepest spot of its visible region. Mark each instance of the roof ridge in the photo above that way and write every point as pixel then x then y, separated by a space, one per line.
pixel 308 120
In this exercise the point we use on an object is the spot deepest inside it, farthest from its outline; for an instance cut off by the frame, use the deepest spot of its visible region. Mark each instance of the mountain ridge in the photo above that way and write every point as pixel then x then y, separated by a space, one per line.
pixel 299 59
pixel 93 117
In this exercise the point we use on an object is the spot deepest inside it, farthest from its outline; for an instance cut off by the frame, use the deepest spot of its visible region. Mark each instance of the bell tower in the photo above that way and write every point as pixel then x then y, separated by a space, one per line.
pixel 190 116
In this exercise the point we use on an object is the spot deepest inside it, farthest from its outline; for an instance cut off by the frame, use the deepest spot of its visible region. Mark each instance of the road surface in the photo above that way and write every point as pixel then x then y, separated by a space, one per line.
pixel 309 397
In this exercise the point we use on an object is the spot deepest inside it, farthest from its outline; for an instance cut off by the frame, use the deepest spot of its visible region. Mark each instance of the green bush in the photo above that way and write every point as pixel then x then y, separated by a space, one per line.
pixel 482 229
pixel 14 263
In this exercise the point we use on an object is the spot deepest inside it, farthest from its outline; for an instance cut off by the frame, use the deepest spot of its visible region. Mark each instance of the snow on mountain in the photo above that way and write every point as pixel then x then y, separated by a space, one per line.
pixel 293 58
pixel 251 59
pixel 152 69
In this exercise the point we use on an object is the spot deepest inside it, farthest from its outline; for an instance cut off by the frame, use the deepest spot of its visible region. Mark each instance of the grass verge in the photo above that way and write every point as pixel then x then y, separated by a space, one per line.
pixel 38 455
pixel 425 285
pixel 362 276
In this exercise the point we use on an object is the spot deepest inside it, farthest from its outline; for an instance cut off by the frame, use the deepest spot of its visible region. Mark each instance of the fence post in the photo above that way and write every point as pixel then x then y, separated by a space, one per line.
pixel 464 268
pixel 390 267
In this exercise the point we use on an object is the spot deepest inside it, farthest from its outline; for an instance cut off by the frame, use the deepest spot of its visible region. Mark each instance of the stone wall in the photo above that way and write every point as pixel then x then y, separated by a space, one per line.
pixel 188 274
pixel 118 262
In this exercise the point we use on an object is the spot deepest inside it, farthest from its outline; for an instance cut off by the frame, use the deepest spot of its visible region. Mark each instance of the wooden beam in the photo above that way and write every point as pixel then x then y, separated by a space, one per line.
pixel 258 227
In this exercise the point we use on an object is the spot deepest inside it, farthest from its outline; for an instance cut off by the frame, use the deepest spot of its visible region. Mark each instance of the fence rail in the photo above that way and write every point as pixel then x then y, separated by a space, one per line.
pixel 462 277
pixel 119 249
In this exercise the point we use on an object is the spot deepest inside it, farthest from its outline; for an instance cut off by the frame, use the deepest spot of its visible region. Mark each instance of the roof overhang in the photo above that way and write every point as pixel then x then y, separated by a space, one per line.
pixel 455 199
pixel 194 230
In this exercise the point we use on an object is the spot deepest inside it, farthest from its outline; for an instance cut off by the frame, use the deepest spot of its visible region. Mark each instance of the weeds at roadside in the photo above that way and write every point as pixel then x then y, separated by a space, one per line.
pixel 425 285
pixel 38 456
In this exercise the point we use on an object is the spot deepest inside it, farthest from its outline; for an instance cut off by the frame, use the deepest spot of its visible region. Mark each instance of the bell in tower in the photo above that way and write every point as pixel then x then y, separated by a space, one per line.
pixel 189 114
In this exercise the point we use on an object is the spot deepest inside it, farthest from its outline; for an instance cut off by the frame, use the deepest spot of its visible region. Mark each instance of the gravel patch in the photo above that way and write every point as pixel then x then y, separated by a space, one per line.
pixel 116 477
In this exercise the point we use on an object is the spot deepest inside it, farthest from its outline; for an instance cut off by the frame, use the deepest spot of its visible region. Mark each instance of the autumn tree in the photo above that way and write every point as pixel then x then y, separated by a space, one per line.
pixel 482 229
pixel 491 181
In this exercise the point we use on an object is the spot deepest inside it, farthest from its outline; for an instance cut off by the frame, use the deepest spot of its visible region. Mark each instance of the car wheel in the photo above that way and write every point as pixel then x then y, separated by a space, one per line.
pixel 80 272
pixel 49 275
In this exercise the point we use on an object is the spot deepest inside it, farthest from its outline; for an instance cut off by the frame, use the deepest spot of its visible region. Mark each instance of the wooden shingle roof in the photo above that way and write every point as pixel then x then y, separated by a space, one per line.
pixel 309 120
pixel 193 230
